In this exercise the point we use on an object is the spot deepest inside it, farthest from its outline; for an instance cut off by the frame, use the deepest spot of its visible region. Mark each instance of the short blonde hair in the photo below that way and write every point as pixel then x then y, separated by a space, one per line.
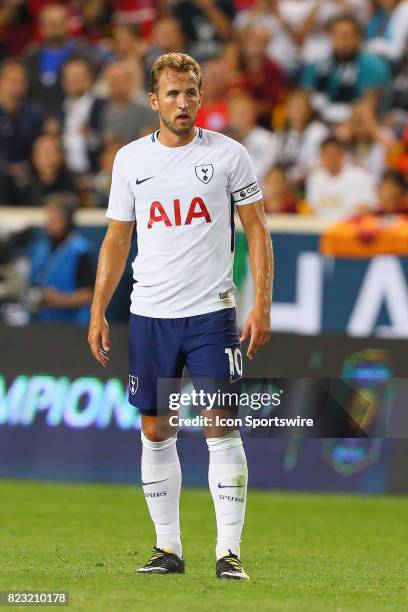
pixel 178 61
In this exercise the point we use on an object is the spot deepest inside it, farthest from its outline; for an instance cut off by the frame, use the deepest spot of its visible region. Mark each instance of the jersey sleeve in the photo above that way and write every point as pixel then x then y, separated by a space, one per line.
pixel 121 206
pixel 243 184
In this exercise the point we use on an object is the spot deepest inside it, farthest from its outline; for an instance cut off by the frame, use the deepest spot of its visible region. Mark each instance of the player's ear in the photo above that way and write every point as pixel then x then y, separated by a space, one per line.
pixel 153 101
pixel 200 99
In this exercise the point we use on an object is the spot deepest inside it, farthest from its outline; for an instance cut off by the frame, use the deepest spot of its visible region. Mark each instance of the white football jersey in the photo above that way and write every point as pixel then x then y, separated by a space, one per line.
pixel 182 199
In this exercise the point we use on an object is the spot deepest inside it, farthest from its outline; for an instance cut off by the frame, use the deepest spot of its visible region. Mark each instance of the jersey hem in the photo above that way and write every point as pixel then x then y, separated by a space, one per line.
pixel 187 313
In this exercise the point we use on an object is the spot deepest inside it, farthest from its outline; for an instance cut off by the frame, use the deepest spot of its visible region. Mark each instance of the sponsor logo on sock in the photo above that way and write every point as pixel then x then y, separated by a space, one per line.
pixel 153 482
pixel 221 486
pixel 159 494
pixel 231 498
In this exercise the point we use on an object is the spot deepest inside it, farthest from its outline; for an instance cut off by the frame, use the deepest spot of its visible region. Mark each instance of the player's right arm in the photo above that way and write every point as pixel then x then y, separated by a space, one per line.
pixel 111 264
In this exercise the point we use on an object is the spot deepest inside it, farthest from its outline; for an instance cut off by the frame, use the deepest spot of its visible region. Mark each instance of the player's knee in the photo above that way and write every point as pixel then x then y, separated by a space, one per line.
pixel 154 436
pixel 156 429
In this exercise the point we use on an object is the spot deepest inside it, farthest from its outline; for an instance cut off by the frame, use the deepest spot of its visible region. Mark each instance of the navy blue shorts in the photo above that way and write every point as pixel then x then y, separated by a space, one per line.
pixel 159 349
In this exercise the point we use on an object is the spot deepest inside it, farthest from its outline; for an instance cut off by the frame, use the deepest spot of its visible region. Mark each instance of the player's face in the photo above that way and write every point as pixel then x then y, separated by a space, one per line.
pixel 177 100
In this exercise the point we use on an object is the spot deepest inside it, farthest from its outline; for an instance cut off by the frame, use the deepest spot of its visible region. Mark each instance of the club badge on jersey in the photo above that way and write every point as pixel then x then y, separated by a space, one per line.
pixel 204 172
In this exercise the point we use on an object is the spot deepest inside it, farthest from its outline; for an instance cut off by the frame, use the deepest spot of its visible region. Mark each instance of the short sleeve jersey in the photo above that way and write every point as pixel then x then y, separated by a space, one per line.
pixel 182 199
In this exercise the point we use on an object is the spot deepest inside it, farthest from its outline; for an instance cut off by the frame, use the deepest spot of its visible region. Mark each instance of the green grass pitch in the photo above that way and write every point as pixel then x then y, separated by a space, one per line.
pixel 303 552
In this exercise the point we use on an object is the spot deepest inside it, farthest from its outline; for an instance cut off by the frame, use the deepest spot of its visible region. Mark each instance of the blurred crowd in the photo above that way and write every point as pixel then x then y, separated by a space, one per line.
pixel 316 90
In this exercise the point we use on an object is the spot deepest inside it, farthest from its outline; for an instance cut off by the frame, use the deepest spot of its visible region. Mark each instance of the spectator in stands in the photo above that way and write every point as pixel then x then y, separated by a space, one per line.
pixel 401 156
pixel 232 58
pixel 369 142
pixel 213 114
pixel 260 143
pixel 300 137
pixel 395 100
pixel 15 27
pixel 102 180
pixel 277 193
pixel 387 30
pixel 282 41
pixel 338 189
pixel 141 13
pixel 95 18
pixel 62 268
pixel 349 74
pixel 298 32
pixel 168 37
pixel 254 57
pixel 44 62
pixel 130 49
pixel 207 25
pixel 123 118
pixel 308 22
pixel 50 173
pixel 81 109
pixel 392 194
pixel 20 124
pixel 264 77
pixel 80 13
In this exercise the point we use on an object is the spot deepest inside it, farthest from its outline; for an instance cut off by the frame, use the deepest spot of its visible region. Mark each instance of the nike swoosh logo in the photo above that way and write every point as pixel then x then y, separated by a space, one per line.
pixel 153 482
pixel 143 180
pixel 221 486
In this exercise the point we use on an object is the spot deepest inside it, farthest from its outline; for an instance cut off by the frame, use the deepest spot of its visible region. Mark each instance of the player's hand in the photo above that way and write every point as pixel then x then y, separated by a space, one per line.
pixel 258 327
pixel 98 339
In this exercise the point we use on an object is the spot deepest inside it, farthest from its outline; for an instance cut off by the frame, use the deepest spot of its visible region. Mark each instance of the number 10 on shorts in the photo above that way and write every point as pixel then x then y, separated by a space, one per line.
pixel 235 361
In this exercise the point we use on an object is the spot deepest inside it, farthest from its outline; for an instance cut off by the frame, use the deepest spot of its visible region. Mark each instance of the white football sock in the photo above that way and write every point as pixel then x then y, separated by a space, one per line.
pixel 161 481
pixel 227 469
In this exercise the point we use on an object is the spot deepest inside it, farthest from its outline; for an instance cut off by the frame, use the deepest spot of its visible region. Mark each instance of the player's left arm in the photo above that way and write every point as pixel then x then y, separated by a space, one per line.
pixel 258 323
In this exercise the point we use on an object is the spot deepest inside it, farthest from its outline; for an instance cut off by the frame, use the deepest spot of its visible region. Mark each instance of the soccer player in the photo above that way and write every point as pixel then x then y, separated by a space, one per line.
pixel 180 186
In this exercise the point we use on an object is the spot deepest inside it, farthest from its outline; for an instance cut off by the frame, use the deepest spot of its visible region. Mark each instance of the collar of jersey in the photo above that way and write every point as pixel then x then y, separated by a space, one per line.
pixel 198 133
